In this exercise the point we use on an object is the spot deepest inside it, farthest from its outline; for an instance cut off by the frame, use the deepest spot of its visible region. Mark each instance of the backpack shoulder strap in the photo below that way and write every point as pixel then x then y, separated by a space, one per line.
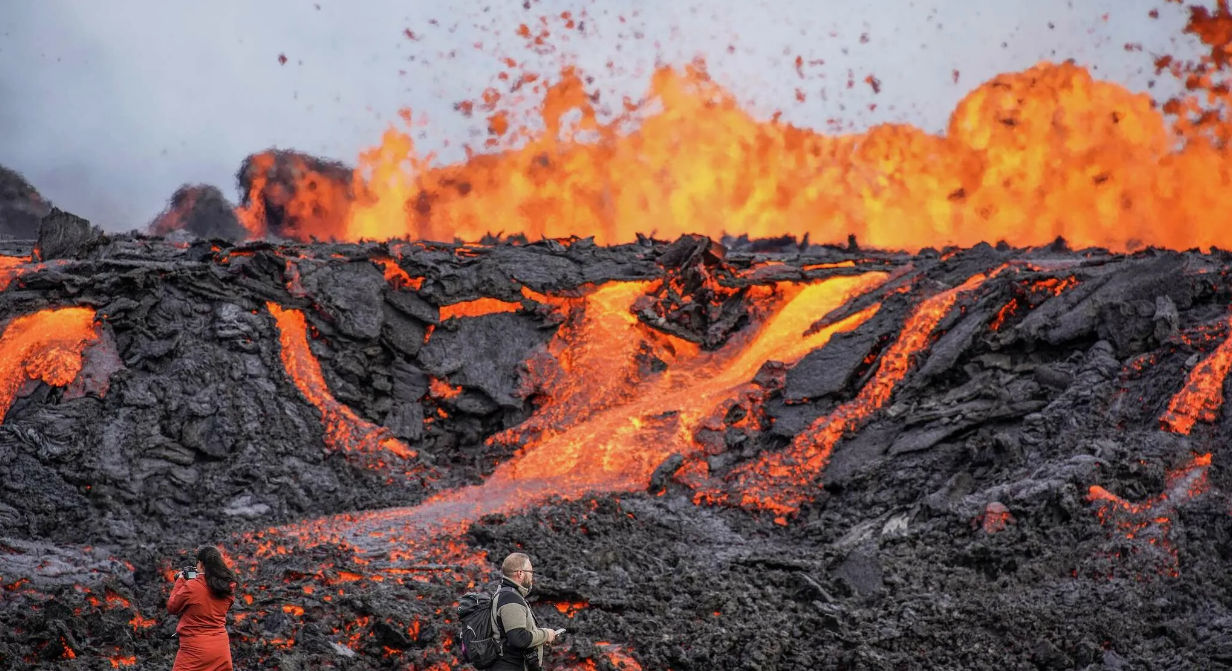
pixel 499 633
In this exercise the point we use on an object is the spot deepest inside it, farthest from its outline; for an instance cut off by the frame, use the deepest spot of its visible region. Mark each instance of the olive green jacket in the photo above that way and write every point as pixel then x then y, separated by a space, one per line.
pixel 518 623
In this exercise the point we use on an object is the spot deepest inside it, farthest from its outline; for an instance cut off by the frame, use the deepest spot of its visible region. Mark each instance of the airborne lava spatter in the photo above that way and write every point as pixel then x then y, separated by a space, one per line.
pixel 1027 157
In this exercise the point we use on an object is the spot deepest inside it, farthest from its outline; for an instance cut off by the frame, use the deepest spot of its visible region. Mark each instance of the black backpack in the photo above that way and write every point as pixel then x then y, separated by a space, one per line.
pixel 481 642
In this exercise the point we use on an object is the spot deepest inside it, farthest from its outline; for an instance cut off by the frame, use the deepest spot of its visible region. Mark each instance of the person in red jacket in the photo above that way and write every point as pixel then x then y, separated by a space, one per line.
pixel 202 604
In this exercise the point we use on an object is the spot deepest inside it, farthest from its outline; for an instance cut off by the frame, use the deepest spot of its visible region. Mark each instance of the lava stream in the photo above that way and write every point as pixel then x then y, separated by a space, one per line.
pixel 11 268
pixel 45 345
pixel 344 430
pixel 618 447
pixel 780 482
pixel 1151 520
pixel 1202 395
pixel 618 442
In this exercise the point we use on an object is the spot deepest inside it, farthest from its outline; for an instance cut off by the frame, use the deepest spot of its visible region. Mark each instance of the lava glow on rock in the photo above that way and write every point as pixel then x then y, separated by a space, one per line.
pixel 613 400
pixel 780 481
pixel 44 346
pixel 344 430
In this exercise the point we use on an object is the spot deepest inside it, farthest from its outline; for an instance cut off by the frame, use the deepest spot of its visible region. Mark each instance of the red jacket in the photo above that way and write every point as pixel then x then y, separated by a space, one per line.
pixel 201 613
pixel 204 644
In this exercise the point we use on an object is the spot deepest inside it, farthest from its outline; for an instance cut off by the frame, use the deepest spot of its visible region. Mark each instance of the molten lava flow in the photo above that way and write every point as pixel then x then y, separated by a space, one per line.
pixel 440 389
pixel 487 306
pixel 11 268
pixel 780 482
pixel 1027 156
pixel 613 423
pixel 478 308
pixel 45 346
pixel 138 622
pixel 1151 520
pixel 615 443
pixel 1032 296
pixel 1202 395
pixel 396 276
pixel 344 430
pixel 617 656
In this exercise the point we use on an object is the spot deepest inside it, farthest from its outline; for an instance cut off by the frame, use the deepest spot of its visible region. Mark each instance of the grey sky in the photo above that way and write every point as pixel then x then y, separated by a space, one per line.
pixel 107 107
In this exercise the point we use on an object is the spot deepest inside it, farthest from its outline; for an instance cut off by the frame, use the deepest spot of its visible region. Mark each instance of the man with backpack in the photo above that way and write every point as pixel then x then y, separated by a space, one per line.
pixel 522 640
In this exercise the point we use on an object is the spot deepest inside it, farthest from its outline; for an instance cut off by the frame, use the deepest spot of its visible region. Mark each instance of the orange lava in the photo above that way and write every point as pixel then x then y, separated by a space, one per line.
pixel 115 600
pixel 1202 395
pixel 478 308
pixel 568 608
pixel 317 206
pixel 606 427
pixel 1027 156
pixel 45 346
pixel 1032 296
pixel 617 656
pixel 1201 109
pixel 1151 520
pixel 11 268
pixel 344 430
pixel 396 276
pixel 138 622
pixel 604 424
pixel 438 388
pixel 781 481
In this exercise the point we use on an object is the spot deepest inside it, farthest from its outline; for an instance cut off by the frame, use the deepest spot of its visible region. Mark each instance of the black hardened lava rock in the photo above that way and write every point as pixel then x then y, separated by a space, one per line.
pixel 63 235
pixel 1015 499
pixel 201 210
pixel 21 207
pixel 698 299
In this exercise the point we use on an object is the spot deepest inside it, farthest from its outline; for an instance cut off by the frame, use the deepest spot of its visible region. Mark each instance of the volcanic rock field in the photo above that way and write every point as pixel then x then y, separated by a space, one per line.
pixel 991 457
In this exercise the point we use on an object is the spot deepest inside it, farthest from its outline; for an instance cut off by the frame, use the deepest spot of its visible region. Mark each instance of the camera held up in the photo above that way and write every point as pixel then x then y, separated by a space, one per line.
pixel 187 573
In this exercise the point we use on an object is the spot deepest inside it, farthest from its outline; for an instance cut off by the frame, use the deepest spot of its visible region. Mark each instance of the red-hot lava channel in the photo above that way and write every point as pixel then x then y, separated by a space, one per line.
pixel 43 346
pixel 606 427
pixel 780 482
pixel 1202 394
pixel 611 428
pixel 10 268
pixel 344 430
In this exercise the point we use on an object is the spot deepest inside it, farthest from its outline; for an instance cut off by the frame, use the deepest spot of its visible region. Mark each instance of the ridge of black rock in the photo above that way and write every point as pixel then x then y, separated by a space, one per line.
pixel 185 428
pixel 21 207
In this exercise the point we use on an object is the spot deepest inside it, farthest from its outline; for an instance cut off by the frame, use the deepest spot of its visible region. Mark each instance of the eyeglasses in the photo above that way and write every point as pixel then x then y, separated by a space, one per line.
pixel 526 570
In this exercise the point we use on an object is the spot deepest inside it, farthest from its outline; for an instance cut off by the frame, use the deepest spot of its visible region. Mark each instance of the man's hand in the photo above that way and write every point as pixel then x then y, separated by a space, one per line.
pixel 551 635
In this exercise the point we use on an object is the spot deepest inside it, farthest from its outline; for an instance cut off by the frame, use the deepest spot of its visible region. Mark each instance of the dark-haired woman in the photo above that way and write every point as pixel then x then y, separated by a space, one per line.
pixel 202 604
